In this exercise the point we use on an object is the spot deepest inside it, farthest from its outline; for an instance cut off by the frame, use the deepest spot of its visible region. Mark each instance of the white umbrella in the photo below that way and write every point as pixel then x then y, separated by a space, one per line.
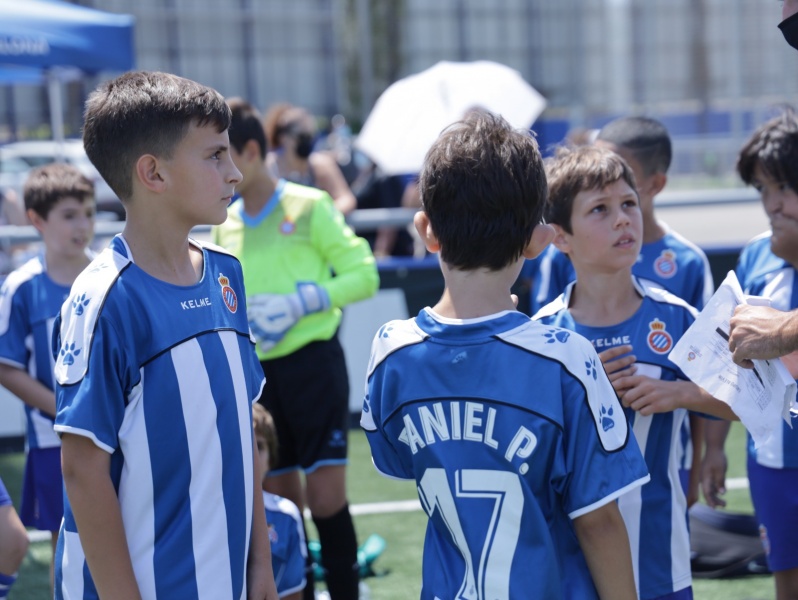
pixel 411 113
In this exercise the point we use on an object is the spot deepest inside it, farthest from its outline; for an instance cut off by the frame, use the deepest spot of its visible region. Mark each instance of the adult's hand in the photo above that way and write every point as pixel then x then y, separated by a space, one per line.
pixel 761 332
pixel 789 8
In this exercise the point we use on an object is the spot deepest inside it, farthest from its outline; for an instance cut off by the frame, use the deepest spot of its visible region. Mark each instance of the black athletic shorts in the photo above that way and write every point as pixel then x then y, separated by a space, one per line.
pixel 307 393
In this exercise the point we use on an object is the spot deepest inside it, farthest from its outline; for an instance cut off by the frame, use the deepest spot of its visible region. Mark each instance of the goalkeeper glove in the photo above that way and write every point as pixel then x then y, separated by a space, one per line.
pixel 271 316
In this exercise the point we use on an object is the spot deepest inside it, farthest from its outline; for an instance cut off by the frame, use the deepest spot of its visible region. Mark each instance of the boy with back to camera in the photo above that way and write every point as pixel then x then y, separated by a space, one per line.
pixel 286 529
pixel 156 369
pixel 302 264
pixel 511 430
pixel 768 266
pixel 594 209
pixel 60 203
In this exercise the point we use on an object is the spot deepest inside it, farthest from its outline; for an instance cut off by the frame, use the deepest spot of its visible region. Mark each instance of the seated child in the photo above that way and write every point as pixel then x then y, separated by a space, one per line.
pixel 511 430
pixel 594 208
pixel 286 531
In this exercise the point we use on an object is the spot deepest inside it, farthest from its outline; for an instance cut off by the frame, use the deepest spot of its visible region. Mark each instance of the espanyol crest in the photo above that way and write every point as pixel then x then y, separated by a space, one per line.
pixel 228 294
pixel 659 340
pixel 665 264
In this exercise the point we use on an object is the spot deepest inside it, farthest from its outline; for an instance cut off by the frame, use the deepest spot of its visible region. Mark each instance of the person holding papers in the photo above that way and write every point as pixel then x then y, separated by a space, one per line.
pixel 767 267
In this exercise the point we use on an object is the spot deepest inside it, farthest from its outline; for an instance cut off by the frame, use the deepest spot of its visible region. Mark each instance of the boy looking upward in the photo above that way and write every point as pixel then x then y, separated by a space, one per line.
pixel 60 203
pixel 665 258
pixel 156 369
pixel 768 266
pixel 594 209
pixel 511 430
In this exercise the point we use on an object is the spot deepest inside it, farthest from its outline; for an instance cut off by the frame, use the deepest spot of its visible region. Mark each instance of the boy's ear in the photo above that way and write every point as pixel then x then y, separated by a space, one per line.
pixel 251 151
pixel 654 184
pixel 542 236
pixel 149 171
pixel 424 229
pixel 561 239
pixel 36 219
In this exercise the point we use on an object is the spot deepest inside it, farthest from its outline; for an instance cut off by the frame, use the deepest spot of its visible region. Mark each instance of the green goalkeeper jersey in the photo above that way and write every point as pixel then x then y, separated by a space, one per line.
pixel 300 236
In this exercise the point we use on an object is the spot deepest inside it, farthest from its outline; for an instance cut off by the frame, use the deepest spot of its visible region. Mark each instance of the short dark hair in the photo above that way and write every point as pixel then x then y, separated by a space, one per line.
pixel 245 125
pixel 48 184
pixel 646 138
pixel 774 147
pixel 483 189
pixel 143 112
pixel 577 169
pixel 263 426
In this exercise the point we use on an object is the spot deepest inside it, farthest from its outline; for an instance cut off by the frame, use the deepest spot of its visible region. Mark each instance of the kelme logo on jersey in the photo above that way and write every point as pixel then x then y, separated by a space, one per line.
pixel 287 227
pixel 659 340
pixel 228 294
pixel 665 264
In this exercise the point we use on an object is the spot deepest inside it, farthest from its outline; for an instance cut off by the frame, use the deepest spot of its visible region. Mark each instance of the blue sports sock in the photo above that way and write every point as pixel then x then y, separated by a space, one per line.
pixel 6 581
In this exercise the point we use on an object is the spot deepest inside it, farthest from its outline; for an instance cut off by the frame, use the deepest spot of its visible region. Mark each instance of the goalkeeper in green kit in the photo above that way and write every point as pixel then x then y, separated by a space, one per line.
pixel 301 264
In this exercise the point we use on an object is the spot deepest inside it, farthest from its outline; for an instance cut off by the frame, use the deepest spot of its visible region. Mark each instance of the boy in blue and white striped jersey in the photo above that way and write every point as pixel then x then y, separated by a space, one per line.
pixel 594 208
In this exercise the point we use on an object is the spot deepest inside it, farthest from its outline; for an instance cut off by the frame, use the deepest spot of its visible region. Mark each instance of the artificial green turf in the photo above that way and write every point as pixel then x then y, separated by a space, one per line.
pixel 403 531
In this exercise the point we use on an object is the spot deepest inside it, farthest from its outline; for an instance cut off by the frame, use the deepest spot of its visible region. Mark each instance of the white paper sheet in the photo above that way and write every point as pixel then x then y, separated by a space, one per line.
pixel 763 396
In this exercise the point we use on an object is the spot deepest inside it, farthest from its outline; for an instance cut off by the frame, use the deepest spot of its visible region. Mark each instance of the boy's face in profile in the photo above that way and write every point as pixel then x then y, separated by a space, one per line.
pixel 202 176
pixel 607 228
pixel 781 205
pixel 68 228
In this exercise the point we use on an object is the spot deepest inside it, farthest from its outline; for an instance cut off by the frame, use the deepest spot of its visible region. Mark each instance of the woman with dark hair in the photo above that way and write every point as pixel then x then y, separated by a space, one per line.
pixel 291 132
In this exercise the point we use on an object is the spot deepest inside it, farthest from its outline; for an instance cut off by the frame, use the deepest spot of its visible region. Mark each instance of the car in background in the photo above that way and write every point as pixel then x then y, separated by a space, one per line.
pixel 35 153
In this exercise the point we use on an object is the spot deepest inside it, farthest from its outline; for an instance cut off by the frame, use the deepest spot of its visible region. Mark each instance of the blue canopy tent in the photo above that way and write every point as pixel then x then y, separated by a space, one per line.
pixel 46 40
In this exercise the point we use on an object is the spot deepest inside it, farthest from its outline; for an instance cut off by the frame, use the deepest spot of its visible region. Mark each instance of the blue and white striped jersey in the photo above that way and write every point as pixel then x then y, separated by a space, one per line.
pixel 510 429
pixel 162 377
pixel 29 304
pixel 287 537
pixel 656 514
pixel 762 273
pixel 673 262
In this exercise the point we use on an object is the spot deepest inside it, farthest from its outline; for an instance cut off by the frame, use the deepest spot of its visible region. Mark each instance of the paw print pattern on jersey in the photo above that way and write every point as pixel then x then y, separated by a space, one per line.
pixel 591 368
pixel 384 331
pixel 607 422
pixel 80 303
pixel 68 352
pixel 556 335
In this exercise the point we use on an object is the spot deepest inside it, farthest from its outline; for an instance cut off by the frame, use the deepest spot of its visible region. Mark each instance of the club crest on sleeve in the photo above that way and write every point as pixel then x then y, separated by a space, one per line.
pixel 228 294
pixel 67 353
pixel 556 335
pixel 659 340
pixel 79 304
pixel 665 264
pixel 607 420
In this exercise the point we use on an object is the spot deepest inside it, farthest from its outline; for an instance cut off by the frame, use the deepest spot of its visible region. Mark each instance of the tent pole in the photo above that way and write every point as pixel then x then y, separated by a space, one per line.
pixel 56 111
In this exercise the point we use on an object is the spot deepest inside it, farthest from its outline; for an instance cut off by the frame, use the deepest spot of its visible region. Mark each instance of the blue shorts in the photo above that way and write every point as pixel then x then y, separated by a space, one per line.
pixel 775 496
pixel 5 499
pixel 42 504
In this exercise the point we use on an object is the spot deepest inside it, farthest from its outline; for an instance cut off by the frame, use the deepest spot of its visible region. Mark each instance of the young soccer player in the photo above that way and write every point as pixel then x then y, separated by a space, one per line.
pixel 768 266
pixel 665 257
pixel 302 264
pixel 155 367
pixel 60 203
pixel 286 529
pixel 595 211
pixel 13 543
pixel 511 430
